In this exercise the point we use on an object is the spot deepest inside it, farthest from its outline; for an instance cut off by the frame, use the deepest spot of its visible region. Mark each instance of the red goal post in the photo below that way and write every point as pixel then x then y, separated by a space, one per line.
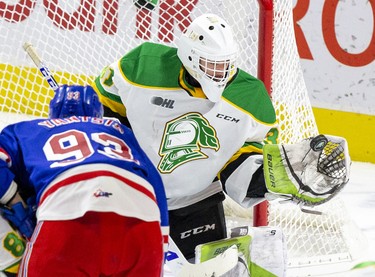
pixel 265 42
pixel 77 38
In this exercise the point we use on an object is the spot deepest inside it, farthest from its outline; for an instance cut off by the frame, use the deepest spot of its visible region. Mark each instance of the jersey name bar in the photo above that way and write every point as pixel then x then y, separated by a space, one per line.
pixel 51 123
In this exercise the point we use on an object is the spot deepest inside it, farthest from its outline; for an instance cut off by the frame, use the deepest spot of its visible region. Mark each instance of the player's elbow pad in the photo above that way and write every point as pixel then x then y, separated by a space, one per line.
pixel 244 180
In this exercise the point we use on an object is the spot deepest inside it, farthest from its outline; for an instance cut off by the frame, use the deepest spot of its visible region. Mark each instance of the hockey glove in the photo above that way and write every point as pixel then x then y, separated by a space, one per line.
pixel 308 173
pixel 23 219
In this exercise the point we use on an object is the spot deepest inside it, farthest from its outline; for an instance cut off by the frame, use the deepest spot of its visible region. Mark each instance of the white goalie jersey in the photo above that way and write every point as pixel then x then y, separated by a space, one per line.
pixel 184 134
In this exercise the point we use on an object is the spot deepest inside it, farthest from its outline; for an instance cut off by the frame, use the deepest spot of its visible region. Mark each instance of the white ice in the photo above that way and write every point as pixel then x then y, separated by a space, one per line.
pixel 359 198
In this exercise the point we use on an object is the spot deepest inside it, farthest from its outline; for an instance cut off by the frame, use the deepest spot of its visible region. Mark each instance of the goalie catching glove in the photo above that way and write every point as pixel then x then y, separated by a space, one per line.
pixel 308 173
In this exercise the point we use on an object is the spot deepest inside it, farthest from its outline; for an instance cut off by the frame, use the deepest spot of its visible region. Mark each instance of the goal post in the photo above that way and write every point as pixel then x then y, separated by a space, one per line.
pixel 264 73
pixel 77 38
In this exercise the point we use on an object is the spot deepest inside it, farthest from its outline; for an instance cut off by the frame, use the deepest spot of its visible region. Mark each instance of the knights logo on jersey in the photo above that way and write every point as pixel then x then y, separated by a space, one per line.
pixel 183 139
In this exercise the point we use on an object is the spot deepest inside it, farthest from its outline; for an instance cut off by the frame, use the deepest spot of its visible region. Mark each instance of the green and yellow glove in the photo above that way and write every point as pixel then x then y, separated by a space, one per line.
pixel 308 173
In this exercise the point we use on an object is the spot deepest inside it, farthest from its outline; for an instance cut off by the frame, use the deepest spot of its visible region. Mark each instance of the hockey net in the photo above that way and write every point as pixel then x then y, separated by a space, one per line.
pixel 77 38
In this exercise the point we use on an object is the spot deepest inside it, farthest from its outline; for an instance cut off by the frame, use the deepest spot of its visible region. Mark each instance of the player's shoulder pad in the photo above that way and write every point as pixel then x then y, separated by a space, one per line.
pixel 151 65
pixel 249 94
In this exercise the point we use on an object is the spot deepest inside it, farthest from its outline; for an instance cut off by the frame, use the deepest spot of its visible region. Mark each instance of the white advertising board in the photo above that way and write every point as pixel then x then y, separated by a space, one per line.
pixel 336 42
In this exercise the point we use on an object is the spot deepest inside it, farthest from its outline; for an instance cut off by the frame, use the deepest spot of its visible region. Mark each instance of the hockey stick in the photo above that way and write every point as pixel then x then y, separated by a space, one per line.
pixel 177 264
pixel 31 51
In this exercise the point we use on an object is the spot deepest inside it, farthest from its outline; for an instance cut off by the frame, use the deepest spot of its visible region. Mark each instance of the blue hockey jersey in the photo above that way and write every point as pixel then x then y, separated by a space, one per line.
pixel 79 164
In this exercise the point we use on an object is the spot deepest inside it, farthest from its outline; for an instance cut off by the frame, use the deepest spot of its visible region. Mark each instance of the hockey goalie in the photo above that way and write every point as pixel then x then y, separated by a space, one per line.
pixel 308 174
pixel 204 122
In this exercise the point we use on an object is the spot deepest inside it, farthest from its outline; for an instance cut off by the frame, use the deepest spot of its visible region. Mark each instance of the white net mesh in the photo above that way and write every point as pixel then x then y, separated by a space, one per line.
pixel 295 117
pixel 76 39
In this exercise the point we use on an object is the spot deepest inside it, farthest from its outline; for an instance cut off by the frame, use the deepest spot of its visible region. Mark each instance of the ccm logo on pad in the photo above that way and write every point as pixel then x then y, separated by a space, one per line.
pixel 198 230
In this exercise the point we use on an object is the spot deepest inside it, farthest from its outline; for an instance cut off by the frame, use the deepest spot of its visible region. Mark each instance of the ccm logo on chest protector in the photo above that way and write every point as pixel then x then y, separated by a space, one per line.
pixel 198 230
pixel 163 102
pixel 227 117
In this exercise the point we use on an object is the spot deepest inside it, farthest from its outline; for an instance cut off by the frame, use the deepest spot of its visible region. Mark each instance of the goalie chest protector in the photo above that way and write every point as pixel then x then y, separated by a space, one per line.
pixel 187 137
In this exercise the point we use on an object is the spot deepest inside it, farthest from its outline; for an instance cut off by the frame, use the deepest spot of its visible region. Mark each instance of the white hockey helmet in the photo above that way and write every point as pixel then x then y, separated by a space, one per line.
pixel 209 51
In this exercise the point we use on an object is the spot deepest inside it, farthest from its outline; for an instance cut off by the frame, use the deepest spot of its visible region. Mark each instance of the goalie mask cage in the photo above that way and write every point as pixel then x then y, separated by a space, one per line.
pixel 77 38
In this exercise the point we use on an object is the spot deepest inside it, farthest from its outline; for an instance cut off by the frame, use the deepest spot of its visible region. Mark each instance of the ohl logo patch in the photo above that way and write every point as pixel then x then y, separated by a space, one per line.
pixel 166 103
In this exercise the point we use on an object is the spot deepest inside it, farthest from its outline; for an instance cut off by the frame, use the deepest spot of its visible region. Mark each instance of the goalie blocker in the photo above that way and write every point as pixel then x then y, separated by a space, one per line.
pixel 308 173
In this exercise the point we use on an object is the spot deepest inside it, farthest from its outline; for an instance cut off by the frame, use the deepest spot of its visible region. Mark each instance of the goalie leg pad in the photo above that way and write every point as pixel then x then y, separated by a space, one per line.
pixel 261 252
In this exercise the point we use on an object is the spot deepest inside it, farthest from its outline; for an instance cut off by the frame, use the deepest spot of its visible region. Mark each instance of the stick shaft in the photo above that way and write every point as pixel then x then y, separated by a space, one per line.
pixel 31 51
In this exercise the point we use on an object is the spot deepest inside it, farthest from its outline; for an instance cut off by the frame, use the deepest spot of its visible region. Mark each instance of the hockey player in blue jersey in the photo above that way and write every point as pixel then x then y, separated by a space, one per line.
pixel 98 196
